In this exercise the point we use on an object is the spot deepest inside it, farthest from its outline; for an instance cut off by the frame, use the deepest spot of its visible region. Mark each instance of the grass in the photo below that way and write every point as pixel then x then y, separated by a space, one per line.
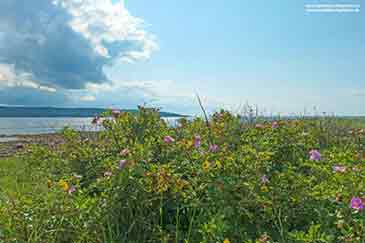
pixel 13 177
pixel 214 180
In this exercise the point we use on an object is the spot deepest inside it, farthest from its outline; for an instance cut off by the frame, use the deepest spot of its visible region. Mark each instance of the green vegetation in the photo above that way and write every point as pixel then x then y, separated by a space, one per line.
pixel 221 180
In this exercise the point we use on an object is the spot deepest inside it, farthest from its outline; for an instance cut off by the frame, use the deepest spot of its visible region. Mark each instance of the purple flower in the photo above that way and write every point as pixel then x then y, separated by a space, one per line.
pixel 71 190
pixel 274 125
pixel 169 139
pixel 356 203
pixel 314 155
pixel 213 148
pixel 122 163
pixel 124 152
pixel 338 168
pixel 108 173
pixel 19 146
pixel 197 141
pixel 264 179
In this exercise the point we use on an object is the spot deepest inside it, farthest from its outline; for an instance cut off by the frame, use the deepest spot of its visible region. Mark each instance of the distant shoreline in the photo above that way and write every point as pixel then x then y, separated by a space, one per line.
pixel 62 112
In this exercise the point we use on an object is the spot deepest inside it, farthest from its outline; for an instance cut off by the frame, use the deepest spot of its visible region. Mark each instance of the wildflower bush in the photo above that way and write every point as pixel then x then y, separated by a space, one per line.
pixel 222 180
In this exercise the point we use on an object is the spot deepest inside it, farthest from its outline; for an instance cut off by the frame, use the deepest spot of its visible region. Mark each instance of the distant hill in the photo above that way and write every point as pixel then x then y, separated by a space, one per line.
pixel 23 111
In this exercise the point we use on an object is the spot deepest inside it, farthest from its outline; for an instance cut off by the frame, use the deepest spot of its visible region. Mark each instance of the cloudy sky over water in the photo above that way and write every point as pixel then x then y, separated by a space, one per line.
pixel 113 53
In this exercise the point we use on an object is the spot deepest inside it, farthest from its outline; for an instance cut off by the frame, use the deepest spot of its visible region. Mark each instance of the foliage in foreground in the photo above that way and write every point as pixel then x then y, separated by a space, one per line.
pixel 141 180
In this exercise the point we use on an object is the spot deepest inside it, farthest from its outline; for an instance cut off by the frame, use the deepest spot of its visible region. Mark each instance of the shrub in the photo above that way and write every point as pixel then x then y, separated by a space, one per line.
pixel 141 180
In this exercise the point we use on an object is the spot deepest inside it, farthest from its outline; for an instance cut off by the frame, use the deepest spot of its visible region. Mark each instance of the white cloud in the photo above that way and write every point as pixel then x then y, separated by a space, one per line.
pixel 167 94
pixel 59 49
pixel 67 43
pixel 88 98
pixel 104 23
pixel 9 78
pixel 152 88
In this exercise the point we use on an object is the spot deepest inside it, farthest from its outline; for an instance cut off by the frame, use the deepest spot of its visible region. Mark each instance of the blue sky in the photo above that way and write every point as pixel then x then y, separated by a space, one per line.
pixel 274 55
pixel 262 52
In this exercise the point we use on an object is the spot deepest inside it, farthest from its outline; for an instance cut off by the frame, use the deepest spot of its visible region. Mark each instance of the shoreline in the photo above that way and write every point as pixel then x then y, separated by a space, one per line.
pixel 11 144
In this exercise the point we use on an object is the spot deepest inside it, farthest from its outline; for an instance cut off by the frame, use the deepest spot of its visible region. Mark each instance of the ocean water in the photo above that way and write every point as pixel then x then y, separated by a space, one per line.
pixel 28 126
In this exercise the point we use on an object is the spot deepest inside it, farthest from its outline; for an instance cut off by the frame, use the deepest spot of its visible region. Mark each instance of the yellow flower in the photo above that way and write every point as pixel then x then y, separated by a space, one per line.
pixel 64 185
pixel 206 165
pixel 218 164
pixel 264 189
pixel 226 241
pixel 49 183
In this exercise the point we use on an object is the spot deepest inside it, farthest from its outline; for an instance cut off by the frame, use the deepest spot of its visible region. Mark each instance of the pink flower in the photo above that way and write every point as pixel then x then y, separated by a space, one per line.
pixel 122 163
pixel 71 190
pixel 259 126
pixel 108 173
pixel 115 113
pixel 213 148
pixel 338 168
pixel 274 125
pixel 96 120
pixel 169 139
pixel 197 141
pixel 356 203
pixel 314 155
pixel 264 179
pixel 124 152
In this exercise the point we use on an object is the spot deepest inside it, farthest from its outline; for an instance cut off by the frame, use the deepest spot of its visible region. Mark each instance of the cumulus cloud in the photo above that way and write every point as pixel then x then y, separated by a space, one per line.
pixel 55 52
pixel 66 44
pixel 9 78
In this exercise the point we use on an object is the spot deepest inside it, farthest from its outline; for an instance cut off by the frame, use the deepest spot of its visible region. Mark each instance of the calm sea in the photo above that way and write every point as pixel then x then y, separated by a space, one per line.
pixel 26 126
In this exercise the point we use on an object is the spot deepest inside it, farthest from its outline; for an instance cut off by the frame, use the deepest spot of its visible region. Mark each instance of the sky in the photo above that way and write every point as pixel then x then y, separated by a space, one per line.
pixel 104 53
